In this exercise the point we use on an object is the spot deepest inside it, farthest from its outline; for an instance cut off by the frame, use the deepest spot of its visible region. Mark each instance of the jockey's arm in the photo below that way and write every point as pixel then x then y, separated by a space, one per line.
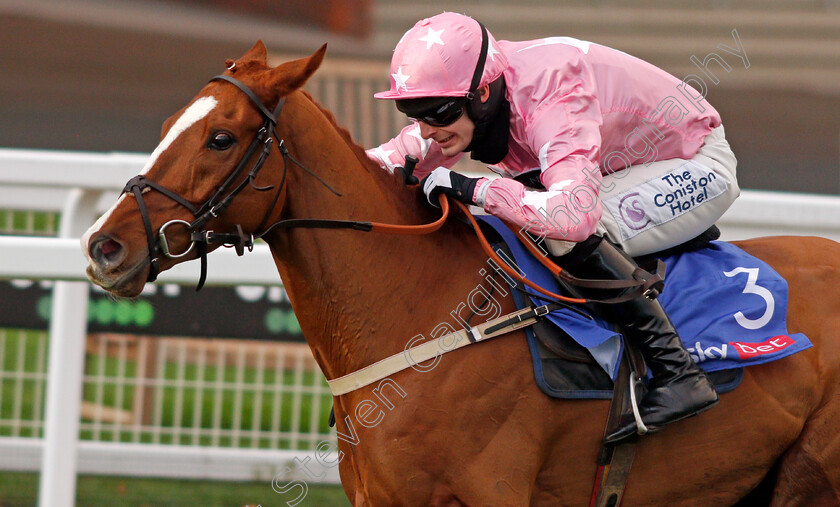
pixel 408 142
pixel 567 211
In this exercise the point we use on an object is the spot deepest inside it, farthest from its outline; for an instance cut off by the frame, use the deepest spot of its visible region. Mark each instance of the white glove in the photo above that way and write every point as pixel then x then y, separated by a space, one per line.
pixel 453 184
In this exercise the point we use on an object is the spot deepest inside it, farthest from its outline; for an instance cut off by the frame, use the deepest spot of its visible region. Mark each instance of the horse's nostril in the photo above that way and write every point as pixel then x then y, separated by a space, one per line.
pixel 106 251
pixel 109 247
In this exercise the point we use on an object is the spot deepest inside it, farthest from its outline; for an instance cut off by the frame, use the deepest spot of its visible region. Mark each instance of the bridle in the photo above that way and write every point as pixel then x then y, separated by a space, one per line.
pixel 200 237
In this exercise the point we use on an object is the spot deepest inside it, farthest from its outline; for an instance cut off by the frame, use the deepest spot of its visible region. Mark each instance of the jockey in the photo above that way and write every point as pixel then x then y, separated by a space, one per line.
pixel 605 156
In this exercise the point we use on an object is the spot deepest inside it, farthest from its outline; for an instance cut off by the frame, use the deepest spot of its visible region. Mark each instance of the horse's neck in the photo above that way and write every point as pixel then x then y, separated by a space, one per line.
pixel 361 296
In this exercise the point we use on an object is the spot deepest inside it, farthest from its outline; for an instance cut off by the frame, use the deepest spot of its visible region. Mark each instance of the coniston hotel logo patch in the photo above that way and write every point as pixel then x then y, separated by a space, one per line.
pixel 664 198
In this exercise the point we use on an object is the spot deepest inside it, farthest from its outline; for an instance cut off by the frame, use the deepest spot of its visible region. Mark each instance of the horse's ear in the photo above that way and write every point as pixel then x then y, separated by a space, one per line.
pixel 258 53
pixel 290 76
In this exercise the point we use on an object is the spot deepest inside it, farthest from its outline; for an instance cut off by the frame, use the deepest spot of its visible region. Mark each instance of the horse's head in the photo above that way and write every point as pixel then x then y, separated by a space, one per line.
pixel 209 155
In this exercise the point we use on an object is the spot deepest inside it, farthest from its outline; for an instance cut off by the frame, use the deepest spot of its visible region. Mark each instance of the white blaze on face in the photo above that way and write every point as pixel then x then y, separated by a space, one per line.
pixel 197 110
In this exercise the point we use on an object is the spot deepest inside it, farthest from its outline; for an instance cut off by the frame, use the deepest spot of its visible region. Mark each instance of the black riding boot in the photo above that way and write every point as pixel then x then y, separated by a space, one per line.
pixel 679 389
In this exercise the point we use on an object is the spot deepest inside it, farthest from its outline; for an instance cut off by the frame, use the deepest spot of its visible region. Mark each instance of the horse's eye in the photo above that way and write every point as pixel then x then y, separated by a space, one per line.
pixel 220 141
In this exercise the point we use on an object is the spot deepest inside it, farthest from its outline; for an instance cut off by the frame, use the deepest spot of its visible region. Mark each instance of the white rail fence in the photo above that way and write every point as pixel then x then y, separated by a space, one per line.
pixel 80 186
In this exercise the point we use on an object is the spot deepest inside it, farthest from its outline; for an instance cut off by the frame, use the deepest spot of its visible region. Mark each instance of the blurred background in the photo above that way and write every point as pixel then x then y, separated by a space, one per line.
pixel 102 76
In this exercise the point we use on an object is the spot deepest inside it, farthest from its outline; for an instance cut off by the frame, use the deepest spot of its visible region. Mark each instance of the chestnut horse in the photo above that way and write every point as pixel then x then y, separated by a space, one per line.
pixel 474 429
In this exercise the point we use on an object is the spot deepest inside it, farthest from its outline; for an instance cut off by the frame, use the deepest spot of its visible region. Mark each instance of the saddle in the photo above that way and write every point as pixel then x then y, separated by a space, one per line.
pixel 565 369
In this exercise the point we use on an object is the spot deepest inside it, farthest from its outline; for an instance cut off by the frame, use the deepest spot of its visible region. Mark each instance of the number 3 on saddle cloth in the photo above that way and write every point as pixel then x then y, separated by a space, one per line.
pixel 728 307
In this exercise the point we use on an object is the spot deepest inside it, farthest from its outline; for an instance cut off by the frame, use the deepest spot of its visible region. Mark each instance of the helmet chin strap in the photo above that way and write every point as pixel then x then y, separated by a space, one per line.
pixel 479 66
pixel 489 142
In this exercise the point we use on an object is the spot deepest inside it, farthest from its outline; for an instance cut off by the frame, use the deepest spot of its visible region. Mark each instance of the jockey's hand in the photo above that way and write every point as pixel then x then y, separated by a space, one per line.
pixel 452 184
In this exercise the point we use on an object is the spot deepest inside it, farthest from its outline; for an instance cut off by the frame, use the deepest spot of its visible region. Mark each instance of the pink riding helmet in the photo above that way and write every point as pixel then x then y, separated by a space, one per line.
pixel 438 56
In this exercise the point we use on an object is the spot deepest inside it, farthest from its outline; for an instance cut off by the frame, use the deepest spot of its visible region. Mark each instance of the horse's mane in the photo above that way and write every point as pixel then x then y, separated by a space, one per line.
pixel 391 181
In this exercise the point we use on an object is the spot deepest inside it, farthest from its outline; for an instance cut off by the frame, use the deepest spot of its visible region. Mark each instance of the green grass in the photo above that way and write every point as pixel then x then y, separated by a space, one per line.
pixel 29 222
pixel 18 489
pixel 255 406
pixel 259 397
pixel 26 391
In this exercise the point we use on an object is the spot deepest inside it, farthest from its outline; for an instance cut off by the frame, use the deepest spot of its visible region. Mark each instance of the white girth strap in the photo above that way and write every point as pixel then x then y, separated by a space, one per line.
pixel 398 362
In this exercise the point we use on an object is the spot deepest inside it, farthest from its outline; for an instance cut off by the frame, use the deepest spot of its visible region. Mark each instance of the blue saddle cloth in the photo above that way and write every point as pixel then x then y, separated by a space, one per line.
pixel 728 307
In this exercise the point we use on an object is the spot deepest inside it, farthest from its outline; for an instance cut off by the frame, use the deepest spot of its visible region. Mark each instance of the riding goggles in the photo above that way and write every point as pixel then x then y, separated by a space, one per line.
pixel 444 115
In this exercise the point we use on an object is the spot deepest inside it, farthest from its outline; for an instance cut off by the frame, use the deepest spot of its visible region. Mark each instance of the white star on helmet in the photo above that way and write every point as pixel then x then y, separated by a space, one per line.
pixel 400 79
pixel 432 38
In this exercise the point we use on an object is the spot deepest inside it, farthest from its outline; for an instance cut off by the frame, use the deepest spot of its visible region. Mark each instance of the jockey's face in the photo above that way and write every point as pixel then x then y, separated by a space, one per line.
pixel 453 138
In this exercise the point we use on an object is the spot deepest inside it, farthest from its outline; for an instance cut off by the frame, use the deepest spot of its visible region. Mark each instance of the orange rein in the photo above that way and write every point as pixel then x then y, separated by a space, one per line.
pixel 512 272
pixel 415 230
pixel 434 226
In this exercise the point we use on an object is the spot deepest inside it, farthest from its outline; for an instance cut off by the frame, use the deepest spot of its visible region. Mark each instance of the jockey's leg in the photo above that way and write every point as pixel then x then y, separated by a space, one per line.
pixel 653 207
pixel 647 209
pixel 679 388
